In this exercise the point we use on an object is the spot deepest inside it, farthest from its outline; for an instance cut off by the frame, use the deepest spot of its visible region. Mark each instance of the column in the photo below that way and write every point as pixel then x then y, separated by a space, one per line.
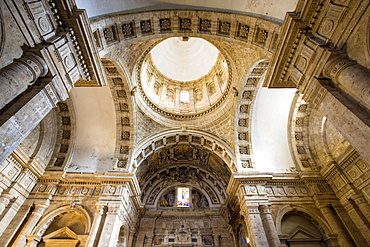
pixel 109 235
pixel 257 234
pixel 352 77
pixel 95 227
pixel 17 121
pixel 16 76
pixel 4 201
pixel 268 224
pixel 36 215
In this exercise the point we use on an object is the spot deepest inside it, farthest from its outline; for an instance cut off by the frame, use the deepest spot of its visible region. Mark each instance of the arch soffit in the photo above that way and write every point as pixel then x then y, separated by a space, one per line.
pixel 65 120
pixel 310 214
pixel 212 186
pixel 149 28
pixel 117 81
pixel 196 138
pixel 48 218
pixel 244 28
pixel 248 89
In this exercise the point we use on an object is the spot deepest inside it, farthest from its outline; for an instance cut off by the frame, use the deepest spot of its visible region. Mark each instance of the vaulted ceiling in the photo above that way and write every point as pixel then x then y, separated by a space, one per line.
pixel 270 8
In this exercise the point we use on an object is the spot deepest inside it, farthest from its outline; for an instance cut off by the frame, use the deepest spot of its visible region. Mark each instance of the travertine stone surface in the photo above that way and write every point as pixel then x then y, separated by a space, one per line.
pixel 14 131
pixel 349 125
pixel 351 77
pixel 87 160
pixel 16 76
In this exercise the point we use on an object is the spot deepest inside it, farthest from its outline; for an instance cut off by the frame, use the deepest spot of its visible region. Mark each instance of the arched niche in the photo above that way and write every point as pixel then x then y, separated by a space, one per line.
pixel 297 230
pixel 66 226
pixel 301 227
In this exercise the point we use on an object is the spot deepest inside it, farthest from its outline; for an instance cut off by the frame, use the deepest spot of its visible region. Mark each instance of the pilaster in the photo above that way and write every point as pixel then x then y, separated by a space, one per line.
pixel 109 235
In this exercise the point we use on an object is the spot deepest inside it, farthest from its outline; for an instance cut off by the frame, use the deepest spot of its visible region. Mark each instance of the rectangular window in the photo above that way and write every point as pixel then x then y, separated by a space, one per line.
pixel 183 197
pixel 184 97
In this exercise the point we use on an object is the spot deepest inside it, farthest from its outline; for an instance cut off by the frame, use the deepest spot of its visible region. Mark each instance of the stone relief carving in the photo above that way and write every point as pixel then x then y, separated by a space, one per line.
pixel 128 29
pixel 224 27
pixel 110 34
pixel 146 27
pixel 205 25
pixel 185 24
pixel 243 31
pixel 165 24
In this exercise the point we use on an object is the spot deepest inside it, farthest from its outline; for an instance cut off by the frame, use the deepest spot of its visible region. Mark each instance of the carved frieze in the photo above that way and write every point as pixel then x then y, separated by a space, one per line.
pixel 38 14
pixel 125 121
pixel 243 122
pixel 125 135
pixel 248 95
pixel 124 149
pixel 243 136
pixel 244 109
pixel 246 163
pixel 122 163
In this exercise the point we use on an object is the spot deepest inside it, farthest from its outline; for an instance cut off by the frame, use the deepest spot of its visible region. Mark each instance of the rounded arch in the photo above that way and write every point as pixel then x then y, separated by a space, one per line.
pixel 167 190
pixel 196 138
pixel 309 214
pixel 165 180
pixel 48 219
pixel 65 120
pixel 121 95
pixel 253 38
pixel 247 93
pixel 257 31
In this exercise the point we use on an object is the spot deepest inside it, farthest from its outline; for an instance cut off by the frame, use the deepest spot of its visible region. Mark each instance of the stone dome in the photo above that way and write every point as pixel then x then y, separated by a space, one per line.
pixel 184 76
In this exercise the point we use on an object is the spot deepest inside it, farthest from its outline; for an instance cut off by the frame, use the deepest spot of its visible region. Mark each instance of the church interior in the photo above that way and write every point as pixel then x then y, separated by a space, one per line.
pixel 184 123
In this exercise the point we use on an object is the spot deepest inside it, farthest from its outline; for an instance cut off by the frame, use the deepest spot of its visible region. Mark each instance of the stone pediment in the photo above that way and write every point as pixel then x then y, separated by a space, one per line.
pixel 301 233
pixel 62 233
